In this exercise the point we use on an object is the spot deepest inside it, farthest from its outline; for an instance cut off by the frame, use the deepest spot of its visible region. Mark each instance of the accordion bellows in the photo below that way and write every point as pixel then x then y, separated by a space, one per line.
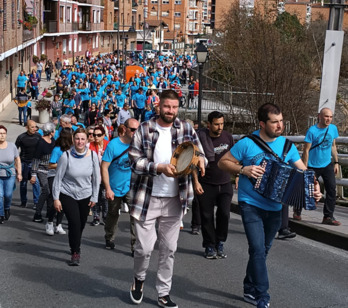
pixel 282 183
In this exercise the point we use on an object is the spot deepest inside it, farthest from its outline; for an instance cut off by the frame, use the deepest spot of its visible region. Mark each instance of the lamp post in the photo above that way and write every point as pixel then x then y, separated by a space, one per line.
pixel 201 57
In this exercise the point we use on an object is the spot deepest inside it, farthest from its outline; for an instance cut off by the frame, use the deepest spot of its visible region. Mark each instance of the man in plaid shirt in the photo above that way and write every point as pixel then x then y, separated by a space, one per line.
pixel 157 195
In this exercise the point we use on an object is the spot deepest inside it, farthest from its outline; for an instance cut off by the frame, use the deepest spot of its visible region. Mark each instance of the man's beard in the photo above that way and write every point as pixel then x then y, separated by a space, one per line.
pixel 167 120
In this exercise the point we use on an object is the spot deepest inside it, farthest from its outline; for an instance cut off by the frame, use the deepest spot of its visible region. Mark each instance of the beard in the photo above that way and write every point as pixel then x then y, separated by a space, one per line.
pixel 167 117
pixel 275 134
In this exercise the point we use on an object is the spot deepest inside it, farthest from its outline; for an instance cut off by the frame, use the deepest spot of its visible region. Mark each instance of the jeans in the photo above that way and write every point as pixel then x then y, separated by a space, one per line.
pixel 260 228
pixel 51 211
pixel 44 192
pixel 102 204
pixel 6 191
pixel 26 173
pixel 22 110
pixel 139 113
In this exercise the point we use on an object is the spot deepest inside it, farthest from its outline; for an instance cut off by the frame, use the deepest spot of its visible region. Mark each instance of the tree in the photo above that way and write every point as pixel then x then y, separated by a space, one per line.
pixel 271 60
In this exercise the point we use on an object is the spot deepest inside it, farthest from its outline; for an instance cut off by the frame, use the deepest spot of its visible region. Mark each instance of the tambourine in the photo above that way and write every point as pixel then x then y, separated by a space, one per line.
pixel 185 158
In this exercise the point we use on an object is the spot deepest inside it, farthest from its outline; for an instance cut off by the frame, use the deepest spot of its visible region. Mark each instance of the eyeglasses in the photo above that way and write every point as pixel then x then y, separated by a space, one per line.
pixel 97 135
pixel 90 134
pixel 132 129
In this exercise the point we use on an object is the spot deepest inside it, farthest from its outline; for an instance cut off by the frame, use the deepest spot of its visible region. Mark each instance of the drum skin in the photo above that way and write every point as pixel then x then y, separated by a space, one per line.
pixel 185 158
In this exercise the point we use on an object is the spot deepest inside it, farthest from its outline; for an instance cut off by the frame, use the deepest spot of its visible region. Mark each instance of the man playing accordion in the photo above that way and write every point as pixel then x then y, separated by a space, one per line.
pixel 261 217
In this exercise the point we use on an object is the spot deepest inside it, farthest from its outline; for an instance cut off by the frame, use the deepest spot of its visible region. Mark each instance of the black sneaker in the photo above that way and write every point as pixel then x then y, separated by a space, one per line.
pixel 220 251
pixel 249 298
pixel 95 222
pixel 34 206
pixel 75 259
pixel 136 291
pixel 23 204
pixel 37 218
pixel 210 253
pixel 2 220
pixel 165 301
pixel 109 244
pixel 285 233
pixel 7 214
pixel 195 231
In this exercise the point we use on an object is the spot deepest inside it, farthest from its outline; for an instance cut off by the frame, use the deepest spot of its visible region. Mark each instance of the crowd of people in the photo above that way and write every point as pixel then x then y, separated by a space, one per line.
pixel 96 156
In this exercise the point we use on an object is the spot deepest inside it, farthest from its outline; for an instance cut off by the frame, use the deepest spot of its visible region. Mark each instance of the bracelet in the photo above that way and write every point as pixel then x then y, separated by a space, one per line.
pixel 336 162
pixel 241 171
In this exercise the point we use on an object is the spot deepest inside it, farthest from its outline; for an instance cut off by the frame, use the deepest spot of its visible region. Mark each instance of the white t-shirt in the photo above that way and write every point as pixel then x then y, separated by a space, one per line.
pixel 164 186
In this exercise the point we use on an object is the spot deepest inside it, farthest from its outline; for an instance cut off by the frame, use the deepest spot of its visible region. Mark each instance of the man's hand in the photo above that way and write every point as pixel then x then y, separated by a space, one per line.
pixel 198 188
pixel 237 182
pixel 19 178
pixel 201 165
pixel 167 169
pixel 336 168
pixel 253 171
pixel 317 193
pixel 109 194
pixel 91 204
pixel 33 180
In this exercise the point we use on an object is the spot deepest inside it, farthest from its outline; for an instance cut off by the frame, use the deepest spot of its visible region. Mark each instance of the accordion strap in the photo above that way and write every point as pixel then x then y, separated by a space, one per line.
pixel 264 146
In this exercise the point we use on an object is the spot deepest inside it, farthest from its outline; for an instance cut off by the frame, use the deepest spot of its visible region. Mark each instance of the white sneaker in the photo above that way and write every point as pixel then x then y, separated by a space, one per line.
pixel 60 230
pixel 49 228
pixel 125 208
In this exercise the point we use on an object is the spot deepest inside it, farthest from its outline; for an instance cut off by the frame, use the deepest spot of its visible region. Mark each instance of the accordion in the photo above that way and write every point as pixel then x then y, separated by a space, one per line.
pixel 282 183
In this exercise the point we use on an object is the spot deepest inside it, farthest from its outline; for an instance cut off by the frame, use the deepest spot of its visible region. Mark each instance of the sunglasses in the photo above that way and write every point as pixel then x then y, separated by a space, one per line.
pixel 132 129
pixel 90 134
pixel 97 135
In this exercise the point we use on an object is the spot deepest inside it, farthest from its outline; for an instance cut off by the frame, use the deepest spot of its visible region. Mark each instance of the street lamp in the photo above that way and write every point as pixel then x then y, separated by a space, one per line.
pixel 201 57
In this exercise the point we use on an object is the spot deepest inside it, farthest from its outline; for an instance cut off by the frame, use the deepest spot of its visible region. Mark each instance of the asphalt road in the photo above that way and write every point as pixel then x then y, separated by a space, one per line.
pixel 34 273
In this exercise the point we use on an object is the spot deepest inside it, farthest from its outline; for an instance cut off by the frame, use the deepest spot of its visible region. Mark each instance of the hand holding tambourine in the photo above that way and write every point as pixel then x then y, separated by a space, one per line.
pixel 186 158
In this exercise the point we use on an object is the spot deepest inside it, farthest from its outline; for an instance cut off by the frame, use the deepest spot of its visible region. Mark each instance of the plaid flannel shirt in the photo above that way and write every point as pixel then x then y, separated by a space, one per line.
pixel 144 169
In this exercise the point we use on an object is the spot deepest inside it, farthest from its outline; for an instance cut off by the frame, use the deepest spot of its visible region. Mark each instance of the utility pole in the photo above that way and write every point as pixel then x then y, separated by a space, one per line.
pixel 332 56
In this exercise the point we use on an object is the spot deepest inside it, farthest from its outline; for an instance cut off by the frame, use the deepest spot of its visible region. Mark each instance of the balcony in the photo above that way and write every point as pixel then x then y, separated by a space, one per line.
pixel 28 35
pixel 51 26
pixel 85 26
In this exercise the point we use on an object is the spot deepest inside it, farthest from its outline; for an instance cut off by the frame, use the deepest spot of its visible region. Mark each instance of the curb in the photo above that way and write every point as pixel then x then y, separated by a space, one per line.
pixel 312 232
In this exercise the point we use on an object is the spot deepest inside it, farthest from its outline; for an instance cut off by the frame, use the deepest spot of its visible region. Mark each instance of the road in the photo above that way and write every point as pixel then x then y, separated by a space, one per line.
pixel 34 273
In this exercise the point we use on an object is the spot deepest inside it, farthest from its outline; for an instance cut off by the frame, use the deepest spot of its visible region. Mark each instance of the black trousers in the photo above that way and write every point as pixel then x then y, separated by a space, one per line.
pixel 220 196
pixel 76 212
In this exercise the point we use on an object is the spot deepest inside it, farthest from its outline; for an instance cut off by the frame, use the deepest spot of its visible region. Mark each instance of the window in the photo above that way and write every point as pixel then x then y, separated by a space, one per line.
pixel 94 16
pixel 4 16
pixel 68 13
pixel 93 43
pixel 177 2
pixel 177 26
pixel 75 14
pixel 13 14
pixel 177 14
pixel 154 1
pixel 165 13
pixel 102 41
pixel 42 47
pixel 70 44
pixel 64 46
pixel 80 43
pixel 165 1
pixel 18 11
pixel 98 17
pixel 75 45
pixel 62 13
pixel 153 13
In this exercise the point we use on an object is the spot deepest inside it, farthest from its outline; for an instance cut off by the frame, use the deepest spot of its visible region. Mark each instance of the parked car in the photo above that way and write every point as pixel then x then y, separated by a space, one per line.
pixel 150 54
pixel 167 52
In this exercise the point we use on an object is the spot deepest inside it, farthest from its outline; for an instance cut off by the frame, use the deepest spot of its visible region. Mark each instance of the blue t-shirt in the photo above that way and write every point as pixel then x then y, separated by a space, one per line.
pixel 140 100
pixel 248 153
pixel 120 99
pixel 320 156
pixel 21 81
pixel 119 170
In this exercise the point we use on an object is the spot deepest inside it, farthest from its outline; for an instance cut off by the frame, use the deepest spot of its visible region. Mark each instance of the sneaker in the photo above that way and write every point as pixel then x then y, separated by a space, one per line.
pixel 249 298
pixel 330 221
pixel 23 204
pixel 165 301
pixel 195 231
pixel 136 291
pixel 95 222
pixel 37 218
pixel 49 228
pixel 285 233
pixel 34 206
pixel 220 251
pixel 75 259
pixel 2 220
pixel 7 214
pixel 59 229
pixel 296 217
pixel 263 303
pixel 210 253
pixel 109 244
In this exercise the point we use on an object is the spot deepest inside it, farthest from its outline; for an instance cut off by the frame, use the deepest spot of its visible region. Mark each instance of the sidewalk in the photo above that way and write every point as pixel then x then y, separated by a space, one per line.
pixel 309 227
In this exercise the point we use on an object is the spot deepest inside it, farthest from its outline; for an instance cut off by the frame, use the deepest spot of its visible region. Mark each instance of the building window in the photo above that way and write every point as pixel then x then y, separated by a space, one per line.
pixel 154 1
pixel 153 13
pixel 80 43
pixel 177 26
pixel 177 2
pixel 165 13
pixel 70 44
pixel 68 13
pixel 61 13
pixel 94 16
pixel 177 14
pixel 4 16
pixel 64 46
pixel 75 14
pixel 165 1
